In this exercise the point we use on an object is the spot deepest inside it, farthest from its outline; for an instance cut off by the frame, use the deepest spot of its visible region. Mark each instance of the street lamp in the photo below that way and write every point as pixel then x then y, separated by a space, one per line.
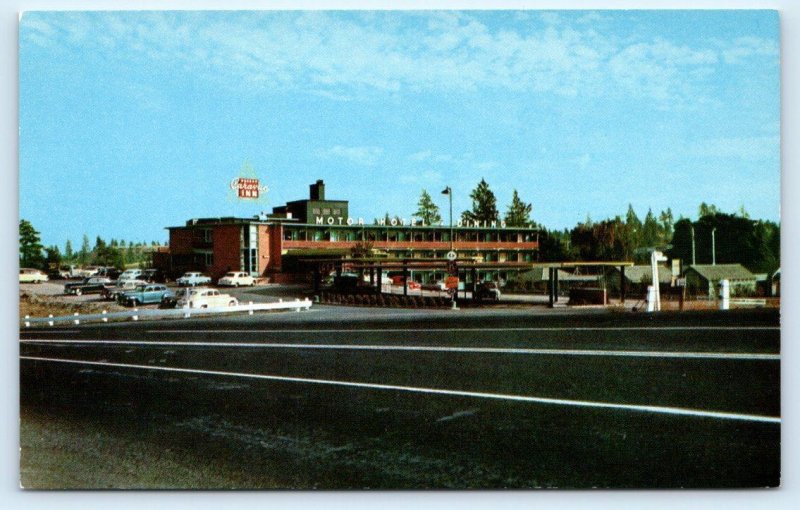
pixel 449 192
pixel 713 247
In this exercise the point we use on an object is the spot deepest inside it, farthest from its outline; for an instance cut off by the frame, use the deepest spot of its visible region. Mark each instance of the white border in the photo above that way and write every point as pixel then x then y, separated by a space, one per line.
pixel 12 497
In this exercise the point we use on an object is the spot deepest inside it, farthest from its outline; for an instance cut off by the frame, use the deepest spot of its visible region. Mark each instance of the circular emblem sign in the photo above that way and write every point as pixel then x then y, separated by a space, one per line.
pixel 451 255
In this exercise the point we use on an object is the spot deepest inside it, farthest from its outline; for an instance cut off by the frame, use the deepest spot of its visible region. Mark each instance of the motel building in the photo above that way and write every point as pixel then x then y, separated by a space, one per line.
pixel 283 246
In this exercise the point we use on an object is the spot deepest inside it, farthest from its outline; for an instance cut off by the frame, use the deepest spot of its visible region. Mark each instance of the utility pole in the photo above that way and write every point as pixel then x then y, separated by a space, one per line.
pixel 693 258
pixel 449 192
pixel 713 247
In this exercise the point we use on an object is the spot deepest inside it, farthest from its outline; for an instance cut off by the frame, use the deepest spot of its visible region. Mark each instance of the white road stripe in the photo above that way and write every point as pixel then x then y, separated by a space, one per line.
pixel 435 391
pixel 444 330
pixel 425 348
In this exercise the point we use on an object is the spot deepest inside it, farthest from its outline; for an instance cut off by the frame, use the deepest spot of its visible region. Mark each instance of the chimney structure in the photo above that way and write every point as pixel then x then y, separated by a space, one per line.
pixel 317 190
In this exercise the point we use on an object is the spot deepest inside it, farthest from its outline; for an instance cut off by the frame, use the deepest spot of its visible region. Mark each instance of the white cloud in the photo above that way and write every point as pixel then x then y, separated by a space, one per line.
pixel 338 55
pixel 365 156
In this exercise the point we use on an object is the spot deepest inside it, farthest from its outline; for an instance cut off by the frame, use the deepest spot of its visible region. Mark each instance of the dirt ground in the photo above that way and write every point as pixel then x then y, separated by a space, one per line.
pixel 41 300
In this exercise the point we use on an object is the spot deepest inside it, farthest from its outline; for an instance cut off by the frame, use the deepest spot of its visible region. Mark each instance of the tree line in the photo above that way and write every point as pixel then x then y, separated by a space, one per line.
pixel 736 237
pixel 114 253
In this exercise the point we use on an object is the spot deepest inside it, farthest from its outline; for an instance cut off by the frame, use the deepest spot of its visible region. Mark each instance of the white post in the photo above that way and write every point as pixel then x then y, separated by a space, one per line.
pixel 50 322
pixel 655 258
pixel 297 301
pixel 651 298
pixel 250 311
pixel 76 321
pixel 136 316
pixel 725 295
pixel 105 319
pixel 27 322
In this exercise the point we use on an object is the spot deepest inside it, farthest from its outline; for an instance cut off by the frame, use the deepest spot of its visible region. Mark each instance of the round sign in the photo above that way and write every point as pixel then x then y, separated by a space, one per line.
pixel 451 255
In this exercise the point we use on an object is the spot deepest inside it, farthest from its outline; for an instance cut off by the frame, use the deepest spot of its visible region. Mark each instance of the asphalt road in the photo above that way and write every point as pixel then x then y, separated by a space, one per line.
pixel 357 398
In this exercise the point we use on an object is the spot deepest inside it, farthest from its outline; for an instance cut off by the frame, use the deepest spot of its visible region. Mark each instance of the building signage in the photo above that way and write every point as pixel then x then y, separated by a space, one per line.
pixel 402 222
pixel 248 188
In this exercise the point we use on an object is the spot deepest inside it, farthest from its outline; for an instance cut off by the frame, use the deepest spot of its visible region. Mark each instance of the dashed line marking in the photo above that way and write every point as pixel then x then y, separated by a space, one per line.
pixel 680 411
pixel 425 348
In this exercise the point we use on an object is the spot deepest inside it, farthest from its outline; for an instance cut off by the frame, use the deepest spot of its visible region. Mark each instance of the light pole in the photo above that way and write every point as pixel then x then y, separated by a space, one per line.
pixel 449 192
pixel 713 247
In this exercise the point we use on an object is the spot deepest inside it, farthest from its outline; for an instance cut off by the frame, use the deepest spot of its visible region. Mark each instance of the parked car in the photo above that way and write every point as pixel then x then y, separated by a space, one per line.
pixel 130 274
pixel 91 285
pixel 487 290
pixel 145 294
pixel 236 278
pixel 440 286
pixel 70 271
pixel 202 297
pixel 110 292
pixel 154 276
pixel 111 273
pixel 193 279
pixel 399 280
pixel 27 275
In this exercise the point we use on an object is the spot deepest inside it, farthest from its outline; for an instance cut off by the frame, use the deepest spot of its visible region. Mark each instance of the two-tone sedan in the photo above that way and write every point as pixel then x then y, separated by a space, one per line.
pixel 27 275
pixel 146 294
pixel 91 285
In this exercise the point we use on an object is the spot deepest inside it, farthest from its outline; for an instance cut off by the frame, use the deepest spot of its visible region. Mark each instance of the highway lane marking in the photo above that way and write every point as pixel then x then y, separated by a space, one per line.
pixel 425 348
pixel 427 330
pixel 681 411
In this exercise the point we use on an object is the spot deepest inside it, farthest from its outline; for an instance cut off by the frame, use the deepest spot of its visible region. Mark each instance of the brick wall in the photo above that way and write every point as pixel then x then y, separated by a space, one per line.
pixel 227 248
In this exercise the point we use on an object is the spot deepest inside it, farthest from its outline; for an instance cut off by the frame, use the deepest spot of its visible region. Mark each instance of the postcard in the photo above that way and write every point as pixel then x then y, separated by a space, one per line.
pixel 456 249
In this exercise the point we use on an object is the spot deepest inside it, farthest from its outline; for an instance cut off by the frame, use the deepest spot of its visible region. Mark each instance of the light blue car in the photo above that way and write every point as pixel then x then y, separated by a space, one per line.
pixel 146 294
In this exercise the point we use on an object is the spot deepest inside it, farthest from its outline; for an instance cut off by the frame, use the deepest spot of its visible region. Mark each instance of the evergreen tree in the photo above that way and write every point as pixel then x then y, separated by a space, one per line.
pixel 68 253
pixel 650 231
pixel 53 257
pixel 484 205
pixel 667 225
pixel 519 212
pixel 634 227
pixel 707 210
pixel 30 246
pixel 83 254
pixel 427 210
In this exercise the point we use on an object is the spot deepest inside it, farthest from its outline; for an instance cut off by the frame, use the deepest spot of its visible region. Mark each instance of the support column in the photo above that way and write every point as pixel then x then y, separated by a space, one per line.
pixel 555 285
pixel 550 286
pixel 405 278
pixel 379 284
pixel 622 284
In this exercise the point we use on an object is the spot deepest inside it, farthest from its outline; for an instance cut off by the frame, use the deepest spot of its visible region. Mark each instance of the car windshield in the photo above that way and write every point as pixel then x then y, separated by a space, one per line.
pixel 230 274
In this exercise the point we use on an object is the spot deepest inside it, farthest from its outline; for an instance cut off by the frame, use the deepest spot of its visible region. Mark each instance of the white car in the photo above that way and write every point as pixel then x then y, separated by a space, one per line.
pixel 204 298
pixel 27 275
pixel 193 279
pixel 130 274
pixel 236 278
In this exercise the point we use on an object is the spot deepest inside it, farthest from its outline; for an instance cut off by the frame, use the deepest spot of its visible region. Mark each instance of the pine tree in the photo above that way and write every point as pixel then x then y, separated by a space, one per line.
pixel 30 246
pixel 68 253
pixel 650 230
pixel 634 227
pixel 484 205
pixel 427 210
pixel 519 212
pixel 83 254
pixel 667 225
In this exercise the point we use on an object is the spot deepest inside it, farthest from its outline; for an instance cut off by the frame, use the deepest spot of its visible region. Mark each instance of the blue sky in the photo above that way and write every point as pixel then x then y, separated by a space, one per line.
pixel 130 122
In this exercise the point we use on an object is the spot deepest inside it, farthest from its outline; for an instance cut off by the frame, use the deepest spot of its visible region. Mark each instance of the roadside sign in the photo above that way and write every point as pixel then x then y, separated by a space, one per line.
pixel 451 255
pixel 451 282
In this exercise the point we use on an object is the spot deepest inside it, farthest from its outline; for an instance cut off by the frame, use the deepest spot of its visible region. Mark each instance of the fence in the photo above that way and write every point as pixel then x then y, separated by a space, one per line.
pixel 185 313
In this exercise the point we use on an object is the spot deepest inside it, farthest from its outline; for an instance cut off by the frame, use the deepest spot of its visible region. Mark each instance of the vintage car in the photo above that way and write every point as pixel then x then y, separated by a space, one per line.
pixel 236 278
pixel 91 285
pixel 27 275
pixel 203 297
pixel 487 290
pixel 130 274
pixel 145 294
pixel 110 292
pixel 193 279
pixel 412 285
pixel 154 276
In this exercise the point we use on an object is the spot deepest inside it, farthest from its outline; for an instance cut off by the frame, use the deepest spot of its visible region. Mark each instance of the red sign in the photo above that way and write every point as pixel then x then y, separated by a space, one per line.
pixel 247 187
pixel 451 282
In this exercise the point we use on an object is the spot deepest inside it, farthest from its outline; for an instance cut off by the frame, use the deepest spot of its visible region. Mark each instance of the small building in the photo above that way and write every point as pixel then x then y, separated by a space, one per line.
pixel 704 279
pixel 637 278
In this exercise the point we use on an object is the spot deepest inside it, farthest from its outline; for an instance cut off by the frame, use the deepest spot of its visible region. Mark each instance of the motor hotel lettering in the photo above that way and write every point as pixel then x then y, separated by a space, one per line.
pixel 247 187
pixel 402 222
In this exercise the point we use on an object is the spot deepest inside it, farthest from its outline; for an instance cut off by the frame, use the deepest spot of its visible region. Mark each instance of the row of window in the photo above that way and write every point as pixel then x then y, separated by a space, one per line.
pixel 485 256
pixel 291 234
